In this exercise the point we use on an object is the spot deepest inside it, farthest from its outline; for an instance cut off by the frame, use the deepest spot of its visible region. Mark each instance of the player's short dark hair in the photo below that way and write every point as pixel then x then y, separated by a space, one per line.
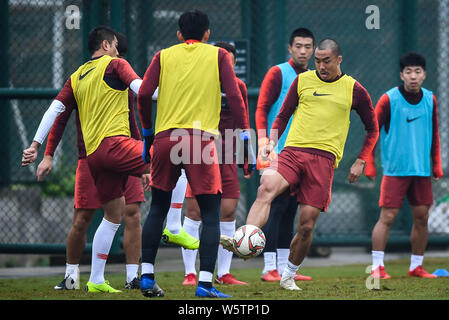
pixel 303 33
pixel 412 59
pixel 97 36
pixel 193 24
pixel 122 46
pixel 329 43
pixel 227 46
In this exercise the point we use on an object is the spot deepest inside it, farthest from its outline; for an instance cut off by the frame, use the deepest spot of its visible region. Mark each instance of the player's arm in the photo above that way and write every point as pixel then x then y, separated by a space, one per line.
pixel 248 169
pixel 54 137
pixel 125 73
pixel 145 103
pixel 63 99
pixel 288 108
pixel 244 93
pixel 364 107
pixel 435 150
pixel 233 95
pixel 236 104
pixel 135 133
pixel 382 113
pixel 270 90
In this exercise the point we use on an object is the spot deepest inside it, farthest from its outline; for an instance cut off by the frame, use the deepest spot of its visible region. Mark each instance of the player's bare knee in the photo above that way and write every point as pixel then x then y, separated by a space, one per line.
pixel 193 214
pixel 387 217
pixel 387 221
pixel 227 215
pixel 132 215
pixel 421 221
pixel 305 229
pixel 82 220
pixel 132 211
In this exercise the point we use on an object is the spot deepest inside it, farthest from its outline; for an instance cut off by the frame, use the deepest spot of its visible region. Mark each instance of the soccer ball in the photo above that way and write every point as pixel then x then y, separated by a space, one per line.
pixel 249 241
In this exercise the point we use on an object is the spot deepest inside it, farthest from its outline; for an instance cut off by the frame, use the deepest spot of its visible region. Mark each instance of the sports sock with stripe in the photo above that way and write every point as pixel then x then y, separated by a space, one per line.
pixel 101 245
pixel 173 223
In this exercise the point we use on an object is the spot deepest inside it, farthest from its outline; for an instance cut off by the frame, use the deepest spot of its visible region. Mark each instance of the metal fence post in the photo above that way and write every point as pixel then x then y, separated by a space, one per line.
pixel 259 40
pixel 145 23
pixel 116 15
pixel 409 11
pixel 4 104
pixel 93 15
pixel 280 30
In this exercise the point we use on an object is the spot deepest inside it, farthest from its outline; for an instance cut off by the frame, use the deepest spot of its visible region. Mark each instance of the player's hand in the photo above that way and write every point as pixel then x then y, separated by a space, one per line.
pixel 148 138
pixel 266 151
pixel 29 155
pixel 356 170
pixel 261 143
pixel 44 168
pixel 261 163
pixel 370 171
pixel 437 172
pixel 146 179
pixel 248 170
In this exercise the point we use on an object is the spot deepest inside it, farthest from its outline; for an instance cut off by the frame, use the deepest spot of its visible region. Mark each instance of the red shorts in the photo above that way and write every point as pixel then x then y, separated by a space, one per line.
pixel 309 175
pixel 197 157
pixel 394 189
pixel 229 182
pixel 115 159
pixel 86 194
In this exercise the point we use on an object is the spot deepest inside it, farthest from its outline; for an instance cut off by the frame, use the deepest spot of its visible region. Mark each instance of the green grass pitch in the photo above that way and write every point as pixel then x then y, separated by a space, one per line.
pixel 329 283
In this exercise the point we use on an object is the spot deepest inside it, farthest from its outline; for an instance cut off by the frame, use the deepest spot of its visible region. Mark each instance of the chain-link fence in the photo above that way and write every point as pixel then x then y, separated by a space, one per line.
pixel 43 42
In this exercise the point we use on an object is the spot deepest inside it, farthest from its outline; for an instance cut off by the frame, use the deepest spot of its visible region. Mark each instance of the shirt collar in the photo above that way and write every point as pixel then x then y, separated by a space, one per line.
pixel 191 41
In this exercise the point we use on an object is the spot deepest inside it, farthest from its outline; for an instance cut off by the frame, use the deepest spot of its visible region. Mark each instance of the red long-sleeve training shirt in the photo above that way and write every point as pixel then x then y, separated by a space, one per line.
pixel 270 89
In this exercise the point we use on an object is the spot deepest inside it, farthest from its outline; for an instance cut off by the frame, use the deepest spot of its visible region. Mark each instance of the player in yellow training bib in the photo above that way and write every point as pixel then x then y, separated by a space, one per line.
pixel 320 102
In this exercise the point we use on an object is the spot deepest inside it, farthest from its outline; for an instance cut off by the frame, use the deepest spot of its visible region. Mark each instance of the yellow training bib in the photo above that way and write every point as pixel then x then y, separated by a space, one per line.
pixel 189 88
pixel 103 111
pixel 321 120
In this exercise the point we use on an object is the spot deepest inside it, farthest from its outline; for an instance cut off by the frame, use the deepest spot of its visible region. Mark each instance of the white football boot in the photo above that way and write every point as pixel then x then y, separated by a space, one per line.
pixel 288 283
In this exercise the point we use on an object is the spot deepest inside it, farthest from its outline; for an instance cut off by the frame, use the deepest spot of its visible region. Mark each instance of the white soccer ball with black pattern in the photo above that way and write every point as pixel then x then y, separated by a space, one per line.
pixel 249 241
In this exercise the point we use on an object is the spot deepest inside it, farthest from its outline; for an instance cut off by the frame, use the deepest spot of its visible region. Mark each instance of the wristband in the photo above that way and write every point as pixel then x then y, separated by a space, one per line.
pixel 148 132
pixel 244 135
